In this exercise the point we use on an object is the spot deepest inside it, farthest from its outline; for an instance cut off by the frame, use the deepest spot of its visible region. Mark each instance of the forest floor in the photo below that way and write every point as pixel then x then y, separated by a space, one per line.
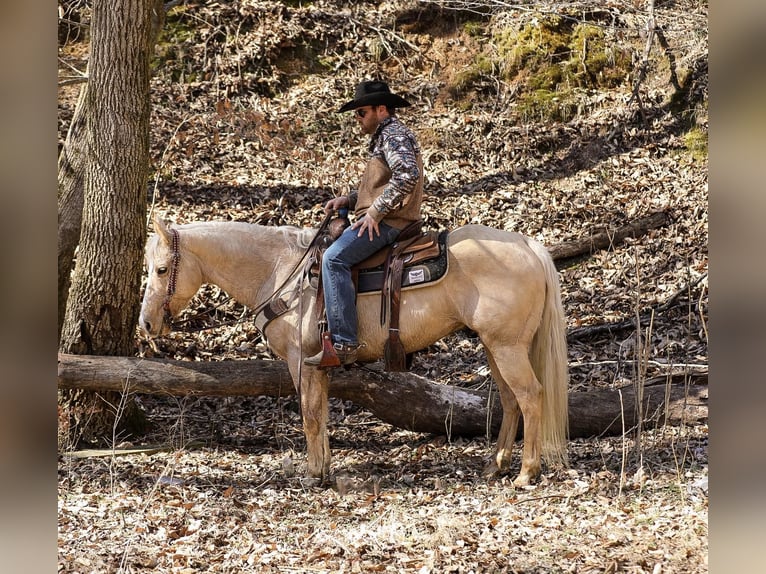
pixel 244 128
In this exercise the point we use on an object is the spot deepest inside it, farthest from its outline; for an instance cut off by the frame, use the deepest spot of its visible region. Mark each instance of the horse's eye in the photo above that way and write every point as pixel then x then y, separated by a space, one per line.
pixel 162 270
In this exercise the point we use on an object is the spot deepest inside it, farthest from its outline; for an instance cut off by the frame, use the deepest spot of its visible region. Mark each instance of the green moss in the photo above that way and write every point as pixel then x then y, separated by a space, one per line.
pixel 169 50
pixel 177 28
pixel 547 105
pixel 466 79
pixel 595 60
pixel 555 51
pixel 474 28
pixel 695 141
pixel 552 58
pixel 537 45
pixel 546 78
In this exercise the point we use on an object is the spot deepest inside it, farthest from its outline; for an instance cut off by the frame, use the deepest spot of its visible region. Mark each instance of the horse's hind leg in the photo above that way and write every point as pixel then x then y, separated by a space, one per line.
pixel 510 424
pixel 512 368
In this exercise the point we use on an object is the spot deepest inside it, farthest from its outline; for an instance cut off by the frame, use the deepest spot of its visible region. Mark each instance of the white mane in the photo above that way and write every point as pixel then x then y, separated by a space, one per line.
pixel 302 236
pixel 297 238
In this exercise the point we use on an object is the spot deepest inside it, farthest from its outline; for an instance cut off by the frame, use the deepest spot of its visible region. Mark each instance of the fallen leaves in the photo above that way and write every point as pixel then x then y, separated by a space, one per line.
pixel 230 510
pixel 253 136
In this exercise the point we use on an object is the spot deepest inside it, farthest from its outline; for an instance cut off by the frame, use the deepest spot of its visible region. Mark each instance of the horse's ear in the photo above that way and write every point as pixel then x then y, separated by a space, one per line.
pixel 160 227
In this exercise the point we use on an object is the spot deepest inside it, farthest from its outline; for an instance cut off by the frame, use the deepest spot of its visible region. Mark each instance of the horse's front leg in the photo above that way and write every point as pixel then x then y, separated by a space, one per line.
pixel 314 409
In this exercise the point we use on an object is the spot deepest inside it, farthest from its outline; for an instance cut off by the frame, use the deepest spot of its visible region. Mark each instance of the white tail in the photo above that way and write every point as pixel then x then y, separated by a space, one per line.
pixel 550 363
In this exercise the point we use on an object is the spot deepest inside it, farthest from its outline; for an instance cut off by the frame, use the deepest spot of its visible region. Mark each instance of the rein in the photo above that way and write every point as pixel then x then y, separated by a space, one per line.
pixel 260 307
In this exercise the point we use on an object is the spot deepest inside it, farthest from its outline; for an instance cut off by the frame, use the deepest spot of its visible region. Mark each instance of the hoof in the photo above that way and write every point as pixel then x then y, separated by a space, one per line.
pixel 525 478
pixel 310 482
pixel 491 470
pixel 521 480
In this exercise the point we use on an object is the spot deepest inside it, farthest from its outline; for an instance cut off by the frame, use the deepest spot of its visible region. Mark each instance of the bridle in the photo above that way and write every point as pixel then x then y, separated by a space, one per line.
pixel 175 259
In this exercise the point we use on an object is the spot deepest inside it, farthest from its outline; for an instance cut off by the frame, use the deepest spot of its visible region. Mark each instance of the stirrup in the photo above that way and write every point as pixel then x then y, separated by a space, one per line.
pixel 346 353
pixel 327 358
pixel 332 355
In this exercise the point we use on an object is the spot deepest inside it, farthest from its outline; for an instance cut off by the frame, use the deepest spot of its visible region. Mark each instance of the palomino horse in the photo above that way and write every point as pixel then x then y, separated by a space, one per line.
pixel 502 285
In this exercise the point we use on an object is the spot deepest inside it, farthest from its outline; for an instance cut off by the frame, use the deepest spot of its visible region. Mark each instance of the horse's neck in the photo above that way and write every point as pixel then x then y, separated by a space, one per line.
pixel 247 261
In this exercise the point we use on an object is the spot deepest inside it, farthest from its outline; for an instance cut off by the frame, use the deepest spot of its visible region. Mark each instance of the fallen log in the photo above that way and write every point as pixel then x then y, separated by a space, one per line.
pixel 570 251
pixel 405 400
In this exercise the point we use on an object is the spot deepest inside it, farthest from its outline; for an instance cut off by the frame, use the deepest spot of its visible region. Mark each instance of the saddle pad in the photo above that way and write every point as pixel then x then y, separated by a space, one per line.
pixel 424 271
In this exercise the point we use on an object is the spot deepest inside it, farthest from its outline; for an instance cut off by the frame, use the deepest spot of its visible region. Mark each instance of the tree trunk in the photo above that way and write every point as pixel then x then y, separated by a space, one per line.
pixel 404 400
pixel 71 175
pixel 103 302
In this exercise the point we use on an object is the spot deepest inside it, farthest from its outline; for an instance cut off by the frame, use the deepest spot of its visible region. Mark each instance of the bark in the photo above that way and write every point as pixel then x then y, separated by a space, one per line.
pixel 404 400
pixel 103 302
pixel 71 175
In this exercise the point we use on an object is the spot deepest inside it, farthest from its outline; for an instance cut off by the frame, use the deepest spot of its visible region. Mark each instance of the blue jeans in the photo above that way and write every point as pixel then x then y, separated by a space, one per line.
pixel 339 292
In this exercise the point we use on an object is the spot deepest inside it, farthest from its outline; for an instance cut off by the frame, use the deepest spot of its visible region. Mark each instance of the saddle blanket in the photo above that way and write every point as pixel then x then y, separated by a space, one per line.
pixel 422 272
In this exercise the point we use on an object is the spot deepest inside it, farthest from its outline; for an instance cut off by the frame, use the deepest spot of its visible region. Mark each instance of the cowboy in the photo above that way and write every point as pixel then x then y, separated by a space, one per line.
pixel 388 200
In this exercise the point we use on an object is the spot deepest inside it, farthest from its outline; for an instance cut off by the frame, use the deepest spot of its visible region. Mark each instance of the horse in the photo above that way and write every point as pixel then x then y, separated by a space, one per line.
pixel 502 285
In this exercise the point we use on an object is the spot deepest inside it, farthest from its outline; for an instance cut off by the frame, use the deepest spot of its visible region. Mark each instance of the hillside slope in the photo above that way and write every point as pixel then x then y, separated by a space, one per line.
pixel 527 123
pixel 245 128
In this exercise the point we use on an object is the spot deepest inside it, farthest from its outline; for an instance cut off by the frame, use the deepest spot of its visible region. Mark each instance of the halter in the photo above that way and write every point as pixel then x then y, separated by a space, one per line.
pixel 175 258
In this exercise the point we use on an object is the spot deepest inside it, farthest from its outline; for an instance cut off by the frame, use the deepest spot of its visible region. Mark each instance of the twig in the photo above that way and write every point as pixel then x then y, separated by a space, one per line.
pixel 671 58
pixel 622 464
pixel 533 498
pixel 697 369
pixel 448 418
pixel 382 31
pixel 72 80
pixel 63 62
pixel 162 164
pixel 611 328
pixel 703 320
pixel 642 355
pixel 688 287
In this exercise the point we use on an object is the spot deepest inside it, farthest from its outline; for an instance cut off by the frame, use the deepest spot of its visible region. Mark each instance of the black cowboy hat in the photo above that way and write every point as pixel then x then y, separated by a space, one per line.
pixel 373 93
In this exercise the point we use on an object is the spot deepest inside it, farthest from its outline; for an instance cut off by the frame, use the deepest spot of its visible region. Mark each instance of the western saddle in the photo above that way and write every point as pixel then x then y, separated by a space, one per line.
pixel 412 246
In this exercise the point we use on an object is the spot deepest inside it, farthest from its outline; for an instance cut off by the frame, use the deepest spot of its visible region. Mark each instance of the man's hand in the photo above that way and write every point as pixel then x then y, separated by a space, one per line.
pixel 367 224
pixel 336 203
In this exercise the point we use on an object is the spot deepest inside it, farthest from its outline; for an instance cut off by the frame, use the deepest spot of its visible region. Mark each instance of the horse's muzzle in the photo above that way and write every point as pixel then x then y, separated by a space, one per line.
pixel 152 330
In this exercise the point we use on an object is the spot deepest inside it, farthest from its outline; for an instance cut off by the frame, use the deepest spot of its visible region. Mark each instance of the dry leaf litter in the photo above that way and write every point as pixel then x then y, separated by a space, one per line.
pixel 244 129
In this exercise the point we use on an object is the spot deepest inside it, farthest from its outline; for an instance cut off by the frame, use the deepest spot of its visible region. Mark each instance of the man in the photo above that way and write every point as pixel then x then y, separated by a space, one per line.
pixel 387 200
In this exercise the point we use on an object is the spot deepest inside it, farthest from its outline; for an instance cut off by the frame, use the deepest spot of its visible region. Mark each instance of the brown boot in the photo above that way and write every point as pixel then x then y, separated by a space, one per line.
pixel 346 354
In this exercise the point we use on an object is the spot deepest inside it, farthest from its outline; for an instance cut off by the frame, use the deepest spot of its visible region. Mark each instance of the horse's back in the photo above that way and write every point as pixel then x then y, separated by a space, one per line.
pixel 483 251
